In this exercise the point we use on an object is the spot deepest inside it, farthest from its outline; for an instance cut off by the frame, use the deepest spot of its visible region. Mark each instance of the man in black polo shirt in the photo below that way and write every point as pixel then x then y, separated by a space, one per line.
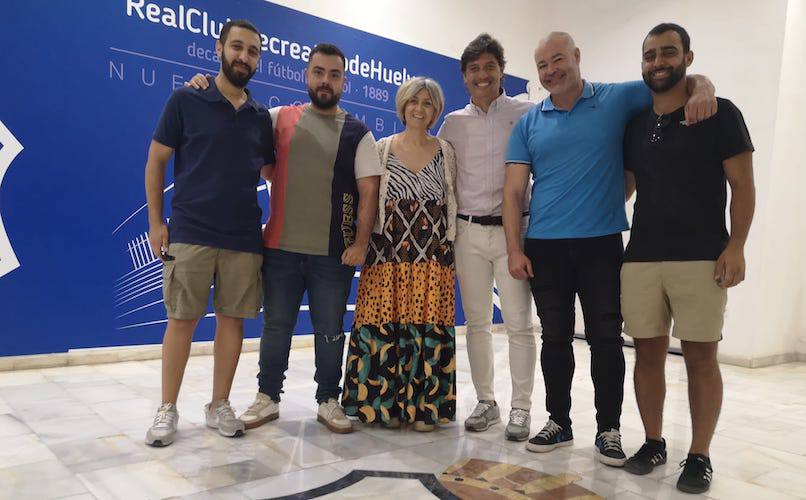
pixel 680 259
pixel 221 139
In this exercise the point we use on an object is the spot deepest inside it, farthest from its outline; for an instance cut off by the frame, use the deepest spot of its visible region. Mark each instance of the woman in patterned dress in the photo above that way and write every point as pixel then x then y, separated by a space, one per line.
pixel 401 362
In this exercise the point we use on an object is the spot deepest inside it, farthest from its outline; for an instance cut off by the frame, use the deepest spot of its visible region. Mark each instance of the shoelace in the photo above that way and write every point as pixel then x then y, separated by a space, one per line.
pixel 480 409
pixel 165 417
pixel 707 470
pixel 224 410
pixel 550 429
pixel 612 440
pixel 648 452
pixel 518 417
pixel 254 408
pixel 334 409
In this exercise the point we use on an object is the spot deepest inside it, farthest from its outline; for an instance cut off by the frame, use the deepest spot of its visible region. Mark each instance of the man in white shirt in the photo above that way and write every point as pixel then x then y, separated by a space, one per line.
pixel 480 133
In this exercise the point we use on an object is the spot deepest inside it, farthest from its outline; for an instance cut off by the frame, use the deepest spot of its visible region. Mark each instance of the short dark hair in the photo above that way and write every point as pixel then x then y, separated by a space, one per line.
pixel 236 23
pixel 483 44
pixel 327 49
pixel 664 27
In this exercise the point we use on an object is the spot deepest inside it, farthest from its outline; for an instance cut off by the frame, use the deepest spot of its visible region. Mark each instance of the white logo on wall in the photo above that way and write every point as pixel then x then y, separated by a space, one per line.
pixel 10 147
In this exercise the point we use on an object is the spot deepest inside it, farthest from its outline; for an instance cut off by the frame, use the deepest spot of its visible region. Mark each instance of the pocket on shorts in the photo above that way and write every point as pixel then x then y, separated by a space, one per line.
pixel 168 272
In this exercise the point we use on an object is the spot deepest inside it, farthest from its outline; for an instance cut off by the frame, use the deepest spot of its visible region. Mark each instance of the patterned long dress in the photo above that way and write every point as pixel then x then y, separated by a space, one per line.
pixel 401 361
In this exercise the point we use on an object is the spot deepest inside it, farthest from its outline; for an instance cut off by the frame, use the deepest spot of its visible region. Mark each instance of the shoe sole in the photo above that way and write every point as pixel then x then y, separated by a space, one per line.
pixel 641 472
pixel 158 443
pixel 332 428
pixel 513 437
pixel 695 491
pixel 545 448
pixel 259 422
pixel 612 462
pixel 489 424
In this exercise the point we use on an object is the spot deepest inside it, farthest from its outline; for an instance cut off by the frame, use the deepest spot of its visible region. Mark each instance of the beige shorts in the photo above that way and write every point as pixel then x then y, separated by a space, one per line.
pixel 655 293
pixel 235 277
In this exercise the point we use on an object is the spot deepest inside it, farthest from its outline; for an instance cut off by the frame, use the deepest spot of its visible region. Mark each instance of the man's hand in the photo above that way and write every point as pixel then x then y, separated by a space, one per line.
pixel 520 267
pixel 355 254
pixel 700 107
pixel 159 240
pixel 199 81
pixel 729 270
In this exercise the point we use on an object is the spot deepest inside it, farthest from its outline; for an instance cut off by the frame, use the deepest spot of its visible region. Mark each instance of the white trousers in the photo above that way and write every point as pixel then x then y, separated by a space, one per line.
pixel 481 260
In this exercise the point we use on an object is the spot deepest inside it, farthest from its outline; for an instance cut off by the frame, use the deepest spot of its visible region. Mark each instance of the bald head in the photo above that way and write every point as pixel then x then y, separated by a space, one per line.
pixel 557 39
pixel 557 60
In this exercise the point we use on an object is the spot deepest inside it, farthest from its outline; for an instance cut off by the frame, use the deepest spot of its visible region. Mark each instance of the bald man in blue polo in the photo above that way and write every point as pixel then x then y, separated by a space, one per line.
pixel 571 144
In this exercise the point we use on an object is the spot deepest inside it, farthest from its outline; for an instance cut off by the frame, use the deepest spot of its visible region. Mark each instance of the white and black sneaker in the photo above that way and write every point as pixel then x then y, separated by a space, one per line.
pixel 608 446
pixel 649 456
pixel 552 436
pixel 696 475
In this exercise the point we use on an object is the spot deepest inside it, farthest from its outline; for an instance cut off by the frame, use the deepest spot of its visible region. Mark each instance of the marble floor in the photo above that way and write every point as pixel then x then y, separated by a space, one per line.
pixel 77 432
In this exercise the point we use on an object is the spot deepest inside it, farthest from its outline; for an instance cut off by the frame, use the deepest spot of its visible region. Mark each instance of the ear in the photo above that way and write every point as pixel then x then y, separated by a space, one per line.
pixel 577 55
pixel 689 58
pixel 219 47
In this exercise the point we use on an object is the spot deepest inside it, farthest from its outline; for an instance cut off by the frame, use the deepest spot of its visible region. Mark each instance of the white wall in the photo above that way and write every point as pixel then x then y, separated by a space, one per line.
pixel 783 292
pixel 739 44
pixel 442 26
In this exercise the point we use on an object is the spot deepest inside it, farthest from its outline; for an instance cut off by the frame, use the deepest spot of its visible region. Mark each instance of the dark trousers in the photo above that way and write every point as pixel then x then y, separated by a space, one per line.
pixel 286 277
pixel 590 268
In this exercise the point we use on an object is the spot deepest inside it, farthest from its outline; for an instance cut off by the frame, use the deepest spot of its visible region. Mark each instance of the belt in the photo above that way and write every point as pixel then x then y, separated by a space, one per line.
pixel 486 220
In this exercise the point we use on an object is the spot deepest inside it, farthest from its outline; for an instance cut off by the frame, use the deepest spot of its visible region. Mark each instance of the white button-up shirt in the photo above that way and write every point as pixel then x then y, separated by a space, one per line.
pixel 480 140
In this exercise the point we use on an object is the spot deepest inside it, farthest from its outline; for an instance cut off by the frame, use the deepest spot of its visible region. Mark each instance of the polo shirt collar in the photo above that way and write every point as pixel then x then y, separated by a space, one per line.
pixel 493 105
pixel 587 92
pixel 212 94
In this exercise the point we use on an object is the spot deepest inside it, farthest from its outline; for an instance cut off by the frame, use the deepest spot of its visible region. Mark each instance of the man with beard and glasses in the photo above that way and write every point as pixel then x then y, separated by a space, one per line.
pixel 479 132
pixel 571 144
pixel 680 259
pixel 214 231
pixel 324 200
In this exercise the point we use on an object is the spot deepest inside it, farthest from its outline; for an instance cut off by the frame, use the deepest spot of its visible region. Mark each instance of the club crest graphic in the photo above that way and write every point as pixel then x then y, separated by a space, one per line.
pixel 10 147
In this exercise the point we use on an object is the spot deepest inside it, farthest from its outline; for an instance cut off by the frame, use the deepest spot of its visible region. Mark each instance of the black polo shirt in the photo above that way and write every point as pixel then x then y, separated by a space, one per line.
pixel 680 182
pixel 218 156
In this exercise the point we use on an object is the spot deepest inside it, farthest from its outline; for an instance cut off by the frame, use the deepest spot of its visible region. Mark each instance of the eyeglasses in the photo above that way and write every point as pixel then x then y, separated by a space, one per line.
pixel 656 133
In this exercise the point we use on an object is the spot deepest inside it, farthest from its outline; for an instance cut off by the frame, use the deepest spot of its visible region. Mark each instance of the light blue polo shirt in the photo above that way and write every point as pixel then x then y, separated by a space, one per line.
pixel 576 159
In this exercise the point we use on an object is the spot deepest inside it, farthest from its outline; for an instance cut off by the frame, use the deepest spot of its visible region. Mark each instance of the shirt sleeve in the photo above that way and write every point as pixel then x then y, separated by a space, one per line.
pixel 518 148
pixel 268 141
pixel 442 132
pixel 367 161
pixel 732 134
pixel 632 142
pixel 169 128
pixel 635 95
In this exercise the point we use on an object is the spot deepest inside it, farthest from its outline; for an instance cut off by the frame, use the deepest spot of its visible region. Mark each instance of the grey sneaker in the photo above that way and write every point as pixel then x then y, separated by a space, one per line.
pixel 163 430
pixel 483 416
pixel 263 410
pixel 518 427
pixel 219 415
pixel 332 415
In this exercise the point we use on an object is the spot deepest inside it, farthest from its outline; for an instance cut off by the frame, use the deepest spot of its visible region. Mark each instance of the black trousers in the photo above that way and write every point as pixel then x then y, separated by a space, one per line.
pixel 590 268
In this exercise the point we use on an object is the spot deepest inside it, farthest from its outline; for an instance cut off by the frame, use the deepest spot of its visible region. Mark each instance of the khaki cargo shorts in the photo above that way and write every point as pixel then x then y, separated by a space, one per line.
pixel 655 293
pixel 235 278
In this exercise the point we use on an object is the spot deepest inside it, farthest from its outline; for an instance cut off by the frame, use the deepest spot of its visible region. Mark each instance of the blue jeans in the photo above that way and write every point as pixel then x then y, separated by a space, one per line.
pixel 286 277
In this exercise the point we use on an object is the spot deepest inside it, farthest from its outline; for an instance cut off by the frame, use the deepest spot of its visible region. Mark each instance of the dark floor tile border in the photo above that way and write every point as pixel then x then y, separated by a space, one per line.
pixel 430 482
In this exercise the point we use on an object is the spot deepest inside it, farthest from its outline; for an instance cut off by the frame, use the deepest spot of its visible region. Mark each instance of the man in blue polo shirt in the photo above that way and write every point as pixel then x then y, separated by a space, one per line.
pixel 221 139
pixel 571 144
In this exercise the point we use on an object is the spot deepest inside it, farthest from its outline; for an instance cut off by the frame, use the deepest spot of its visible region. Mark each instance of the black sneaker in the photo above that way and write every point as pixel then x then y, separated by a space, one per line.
pixel 608 446
pixel 696 475
pixel 647 458
pixel 552 436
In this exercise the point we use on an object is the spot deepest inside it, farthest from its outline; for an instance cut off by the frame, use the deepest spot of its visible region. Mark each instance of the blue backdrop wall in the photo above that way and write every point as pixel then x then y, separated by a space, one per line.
pixel 84 84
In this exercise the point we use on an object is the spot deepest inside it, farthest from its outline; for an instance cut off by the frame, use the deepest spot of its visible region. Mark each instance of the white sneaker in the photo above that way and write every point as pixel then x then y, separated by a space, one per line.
pixel 163 430
pixel 263 410
pixel 332 415
pixel 220 415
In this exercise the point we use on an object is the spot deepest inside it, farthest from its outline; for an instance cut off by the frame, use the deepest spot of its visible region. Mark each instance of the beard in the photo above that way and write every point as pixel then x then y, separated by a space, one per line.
pixel 323 102
pixel 660 86
pixel 237 79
